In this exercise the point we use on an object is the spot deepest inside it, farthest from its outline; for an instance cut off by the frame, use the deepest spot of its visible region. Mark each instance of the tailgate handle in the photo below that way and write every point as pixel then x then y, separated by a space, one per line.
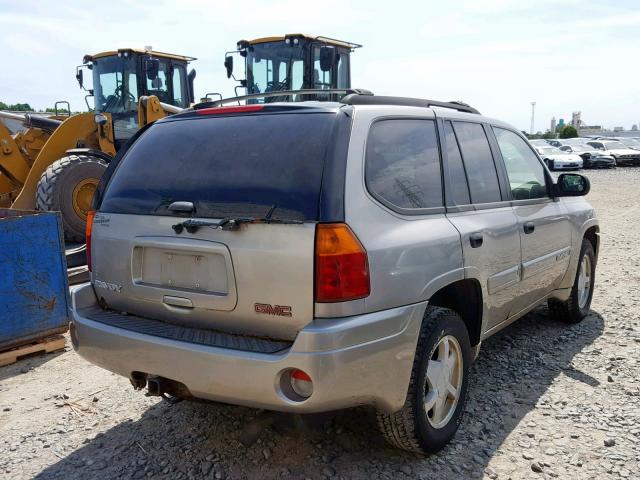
pixel 177 301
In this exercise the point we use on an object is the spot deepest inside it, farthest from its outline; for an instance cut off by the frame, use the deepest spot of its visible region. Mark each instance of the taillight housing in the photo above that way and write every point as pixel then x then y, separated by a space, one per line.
pixel 87 235
pixel 341 264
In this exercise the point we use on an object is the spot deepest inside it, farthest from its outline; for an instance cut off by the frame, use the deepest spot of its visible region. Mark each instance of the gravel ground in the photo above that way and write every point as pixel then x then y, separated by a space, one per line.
pixel 547 400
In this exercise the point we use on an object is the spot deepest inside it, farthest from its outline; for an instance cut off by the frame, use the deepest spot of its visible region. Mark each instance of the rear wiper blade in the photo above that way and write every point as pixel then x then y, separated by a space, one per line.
pixel 229 223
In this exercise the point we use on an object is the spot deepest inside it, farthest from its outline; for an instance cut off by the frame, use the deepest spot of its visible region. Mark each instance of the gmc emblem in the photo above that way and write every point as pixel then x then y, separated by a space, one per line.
pixel 278 310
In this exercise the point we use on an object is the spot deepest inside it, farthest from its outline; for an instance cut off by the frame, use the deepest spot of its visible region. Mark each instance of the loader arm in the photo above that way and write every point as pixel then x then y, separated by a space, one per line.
pixel 77 130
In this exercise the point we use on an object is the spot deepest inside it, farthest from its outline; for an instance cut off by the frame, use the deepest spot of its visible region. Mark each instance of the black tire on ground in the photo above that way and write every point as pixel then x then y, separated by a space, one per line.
pixel 410 428
pixel 570 310
pixel 56 188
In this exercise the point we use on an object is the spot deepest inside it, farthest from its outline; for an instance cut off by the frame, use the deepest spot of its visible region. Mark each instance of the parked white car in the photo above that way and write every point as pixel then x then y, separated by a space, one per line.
pixel 556 159
pixel 618 150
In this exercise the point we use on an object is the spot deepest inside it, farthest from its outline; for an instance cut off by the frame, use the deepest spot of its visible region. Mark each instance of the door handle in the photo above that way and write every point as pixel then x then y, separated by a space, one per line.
pixel 475 239
pixel 529 227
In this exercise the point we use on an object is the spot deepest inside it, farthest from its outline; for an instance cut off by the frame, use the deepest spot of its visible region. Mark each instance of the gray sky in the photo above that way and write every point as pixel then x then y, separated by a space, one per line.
pixel 496 55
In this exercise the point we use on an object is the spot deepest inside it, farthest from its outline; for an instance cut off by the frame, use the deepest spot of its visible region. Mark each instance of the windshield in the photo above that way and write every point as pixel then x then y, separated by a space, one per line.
pixel 614 145
pixel 115 90
pixel 115 84
pixel 631 142
pixel 550 151
pixel 226 166
pixel 275 66
pixel 580 148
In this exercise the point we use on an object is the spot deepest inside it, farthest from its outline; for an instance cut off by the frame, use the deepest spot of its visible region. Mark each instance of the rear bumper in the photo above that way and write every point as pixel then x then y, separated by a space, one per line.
pixel 359 360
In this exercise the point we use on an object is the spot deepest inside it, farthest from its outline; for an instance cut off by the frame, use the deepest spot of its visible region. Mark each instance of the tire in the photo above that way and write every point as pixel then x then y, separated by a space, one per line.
pixel 414 428
pixel 73 177
pixel 576 307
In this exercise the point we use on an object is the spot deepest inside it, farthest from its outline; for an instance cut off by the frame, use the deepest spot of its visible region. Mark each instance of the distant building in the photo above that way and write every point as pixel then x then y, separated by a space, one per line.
pixel 585 130
pixel 561 123
pixel 634 128
pixel 576 119
pixel 618 129
pixel 553 124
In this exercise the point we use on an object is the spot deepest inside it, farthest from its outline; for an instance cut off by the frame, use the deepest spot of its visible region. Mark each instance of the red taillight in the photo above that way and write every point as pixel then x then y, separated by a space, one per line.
pixel 342 268
pixel 235 109
pixel 89 228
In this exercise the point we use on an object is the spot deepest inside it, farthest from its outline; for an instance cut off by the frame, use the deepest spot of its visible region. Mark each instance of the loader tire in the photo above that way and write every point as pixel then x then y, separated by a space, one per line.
pixel 67 186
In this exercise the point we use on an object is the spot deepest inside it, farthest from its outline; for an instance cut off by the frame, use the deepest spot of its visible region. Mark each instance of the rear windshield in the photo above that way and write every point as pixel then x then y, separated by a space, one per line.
pixel 243 165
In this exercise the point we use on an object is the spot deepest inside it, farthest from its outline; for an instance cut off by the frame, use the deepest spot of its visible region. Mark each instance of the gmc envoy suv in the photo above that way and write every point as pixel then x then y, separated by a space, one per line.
pixel 314 256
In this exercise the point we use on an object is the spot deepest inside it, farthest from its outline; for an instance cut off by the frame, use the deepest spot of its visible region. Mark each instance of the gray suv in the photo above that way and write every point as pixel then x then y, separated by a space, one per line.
pixel 313 256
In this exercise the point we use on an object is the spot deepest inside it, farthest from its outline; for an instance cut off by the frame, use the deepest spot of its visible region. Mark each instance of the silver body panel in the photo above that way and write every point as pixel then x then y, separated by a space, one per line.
pixel 208 278
pixel 357 352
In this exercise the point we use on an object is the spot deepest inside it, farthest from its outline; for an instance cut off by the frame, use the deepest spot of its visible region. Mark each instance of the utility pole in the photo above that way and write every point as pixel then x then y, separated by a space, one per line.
pixel 533 115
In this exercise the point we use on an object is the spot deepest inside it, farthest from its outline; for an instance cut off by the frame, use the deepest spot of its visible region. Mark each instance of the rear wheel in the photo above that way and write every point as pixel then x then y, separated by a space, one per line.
pixel 67 186
pixel 577 306
pixel 438 387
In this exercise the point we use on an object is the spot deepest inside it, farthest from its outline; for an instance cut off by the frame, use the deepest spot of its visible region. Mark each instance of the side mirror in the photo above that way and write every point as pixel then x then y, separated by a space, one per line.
pixel 327 58
pixel 228 65
pixel 79 77
pixel 571 185
pixel 152 67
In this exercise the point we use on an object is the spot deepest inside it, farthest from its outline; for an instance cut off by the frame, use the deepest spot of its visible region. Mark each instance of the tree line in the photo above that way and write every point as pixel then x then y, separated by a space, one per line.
pixel 25 107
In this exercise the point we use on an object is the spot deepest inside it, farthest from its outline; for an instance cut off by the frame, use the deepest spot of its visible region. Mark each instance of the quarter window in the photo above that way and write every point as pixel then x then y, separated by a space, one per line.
pixel 403 163
pixel 525 172
pixel 478 162
pixel 459 194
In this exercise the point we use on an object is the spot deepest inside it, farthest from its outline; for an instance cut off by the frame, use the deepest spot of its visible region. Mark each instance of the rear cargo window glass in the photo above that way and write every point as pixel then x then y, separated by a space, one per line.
pixel 478 162
pixel 225 165
pixel 403 163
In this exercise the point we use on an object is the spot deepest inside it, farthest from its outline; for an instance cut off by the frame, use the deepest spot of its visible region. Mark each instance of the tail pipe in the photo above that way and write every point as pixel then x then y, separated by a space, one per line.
pixel 29 120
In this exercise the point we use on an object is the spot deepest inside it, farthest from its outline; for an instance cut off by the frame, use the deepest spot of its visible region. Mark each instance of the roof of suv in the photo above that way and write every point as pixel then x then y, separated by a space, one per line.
pixel 356 98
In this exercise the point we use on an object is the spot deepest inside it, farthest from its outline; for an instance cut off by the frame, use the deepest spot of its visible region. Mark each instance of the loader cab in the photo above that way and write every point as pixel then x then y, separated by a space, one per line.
pixel 293 62
pixel 120 78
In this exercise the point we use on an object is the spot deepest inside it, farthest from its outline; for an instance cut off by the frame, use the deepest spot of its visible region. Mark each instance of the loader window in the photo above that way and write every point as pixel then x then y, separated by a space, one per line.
pixel 115 84
pixel 159 86
pixel 180 97
pixel 274 66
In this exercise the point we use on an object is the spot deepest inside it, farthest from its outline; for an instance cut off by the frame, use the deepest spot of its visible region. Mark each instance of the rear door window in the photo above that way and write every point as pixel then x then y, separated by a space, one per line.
pixel 478 161
pixel 403 164
pixel 226 165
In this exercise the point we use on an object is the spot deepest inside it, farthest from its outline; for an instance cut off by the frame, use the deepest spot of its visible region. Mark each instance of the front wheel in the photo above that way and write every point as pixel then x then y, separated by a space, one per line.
pixel 67 186
pixel 577 306
pixel 438 387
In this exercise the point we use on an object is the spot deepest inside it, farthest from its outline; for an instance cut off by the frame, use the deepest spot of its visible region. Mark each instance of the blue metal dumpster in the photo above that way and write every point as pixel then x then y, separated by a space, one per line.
pixel 34 291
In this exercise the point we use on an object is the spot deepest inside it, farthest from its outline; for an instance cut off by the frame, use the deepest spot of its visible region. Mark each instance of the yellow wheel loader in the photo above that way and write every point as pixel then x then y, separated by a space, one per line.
pixel 56 163
pixel 294 61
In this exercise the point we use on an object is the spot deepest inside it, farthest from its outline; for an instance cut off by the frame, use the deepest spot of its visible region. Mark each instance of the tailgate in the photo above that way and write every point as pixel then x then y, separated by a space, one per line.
pixel 257 280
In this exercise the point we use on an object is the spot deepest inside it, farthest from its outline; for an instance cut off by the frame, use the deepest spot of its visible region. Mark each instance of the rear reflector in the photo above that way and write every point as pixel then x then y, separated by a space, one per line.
pixel 235 109
pixel 342 268
pixel 88 230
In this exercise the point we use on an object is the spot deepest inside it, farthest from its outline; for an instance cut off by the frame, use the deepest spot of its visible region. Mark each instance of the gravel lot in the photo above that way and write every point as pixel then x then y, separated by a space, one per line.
pixel 547 400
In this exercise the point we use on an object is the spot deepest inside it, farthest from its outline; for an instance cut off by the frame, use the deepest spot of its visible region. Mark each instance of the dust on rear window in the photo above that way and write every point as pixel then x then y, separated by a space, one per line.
pixel 226 166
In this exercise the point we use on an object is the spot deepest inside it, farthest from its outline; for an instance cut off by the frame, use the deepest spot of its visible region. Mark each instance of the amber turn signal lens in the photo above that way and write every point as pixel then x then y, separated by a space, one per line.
pixel 342 268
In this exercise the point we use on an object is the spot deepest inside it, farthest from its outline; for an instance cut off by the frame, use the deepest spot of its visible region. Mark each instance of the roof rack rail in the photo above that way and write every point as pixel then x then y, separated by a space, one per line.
pixel 284 93
pixel 356 99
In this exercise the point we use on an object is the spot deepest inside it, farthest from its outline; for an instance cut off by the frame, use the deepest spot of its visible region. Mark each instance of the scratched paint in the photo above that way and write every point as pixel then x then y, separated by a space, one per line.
pixel 34 292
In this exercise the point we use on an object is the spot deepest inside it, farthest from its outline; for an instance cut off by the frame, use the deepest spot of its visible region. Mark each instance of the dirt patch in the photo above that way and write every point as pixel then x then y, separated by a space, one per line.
pixel 547 400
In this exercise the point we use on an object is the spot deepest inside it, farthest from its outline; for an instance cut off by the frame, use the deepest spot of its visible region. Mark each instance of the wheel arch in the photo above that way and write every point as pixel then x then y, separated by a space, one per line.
pixel 465 298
